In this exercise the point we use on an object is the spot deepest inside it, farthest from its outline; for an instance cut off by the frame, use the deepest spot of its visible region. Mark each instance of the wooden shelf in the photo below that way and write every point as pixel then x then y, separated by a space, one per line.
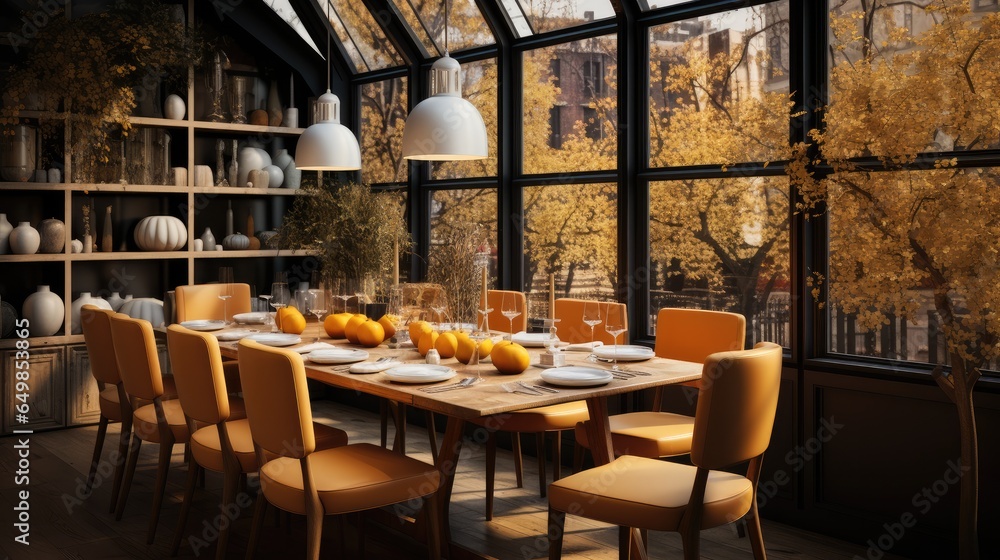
pixel 244 191
pixel 8 343
pixel 156 121
pixel 37 257
pixel 129 256
pixel 247 128
pixel 30 186
pixel 120 188
pixel 250 254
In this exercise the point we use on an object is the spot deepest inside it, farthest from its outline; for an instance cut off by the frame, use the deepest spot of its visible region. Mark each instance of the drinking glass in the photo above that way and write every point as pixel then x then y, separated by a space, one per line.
pixel 591 318
pixel 269 321
pixel 440 308
pixel 615 324
pixel 280 296
pixel 316 302
pixel 225 290
pixel 508 308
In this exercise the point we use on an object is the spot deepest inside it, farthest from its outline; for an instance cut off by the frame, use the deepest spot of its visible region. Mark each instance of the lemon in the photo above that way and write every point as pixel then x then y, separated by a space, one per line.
pixel 370 333
pixel 417 329
pixel 446 345
pixel 510 358
pixel 334 324
pixel 290 320
pixel 467 347
pixel 387 325
pixel 351 329
pixel 427 341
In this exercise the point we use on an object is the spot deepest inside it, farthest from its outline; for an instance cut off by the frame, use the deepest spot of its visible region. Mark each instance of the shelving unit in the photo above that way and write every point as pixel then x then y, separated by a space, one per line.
pixel 63 378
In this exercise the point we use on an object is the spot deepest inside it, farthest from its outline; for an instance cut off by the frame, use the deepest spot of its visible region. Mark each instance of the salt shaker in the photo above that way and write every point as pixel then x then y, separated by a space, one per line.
pixel 433 357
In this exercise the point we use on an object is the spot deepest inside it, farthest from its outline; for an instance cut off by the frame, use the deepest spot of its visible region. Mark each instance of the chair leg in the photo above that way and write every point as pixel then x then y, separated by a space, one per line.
pixel 557 524
pixel 624 542
pixel 192 478
pixel 102 430
pixel 258 522
pixel 120 460
pixel 230 485
pixel 755 534
pixel 540 450
pixel 383 413
pixel 433 527
pixel 432 434
pixel 557 457
pixel 314 532
pixel 162 468
pixel 361 534
pixel 491 471
pixel 515 446
pixel 691 541
pixel 133 458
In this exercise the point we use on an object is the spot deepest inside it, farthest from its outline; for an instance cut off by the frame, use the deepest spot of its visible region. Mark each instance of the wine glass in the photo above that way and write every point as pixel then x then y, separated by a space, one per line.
pixel 269 320
pixel 280 296
pixel 508 308
pixel 341 290
pixel 225 290
pixel 440 308
pixel 615 324
pixel 591 318
pixel 316 303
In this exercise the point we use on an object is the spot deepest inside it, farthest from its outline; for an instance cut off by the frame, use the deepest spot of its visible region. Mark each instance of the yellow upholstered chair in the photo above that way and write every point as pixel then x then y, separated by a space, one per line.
pixel 733 421
pixel 572 329
pixel 161 422
pixel 497 321
pixel 681 334
pixel 201 301
pixel 313 483
pixel 223 444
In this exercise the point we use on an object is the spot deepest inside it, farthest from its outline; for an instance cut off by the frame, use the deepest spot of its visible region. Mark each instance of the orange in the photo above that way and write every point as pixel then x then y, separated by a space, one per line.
pixel 387 325
pixel 446 345
pixel 510 358
pixel 290 320
pixel 351 329
pixel 371 333
pixel 334 324
pixel 427 341
pixel 417 329
pixel 467 346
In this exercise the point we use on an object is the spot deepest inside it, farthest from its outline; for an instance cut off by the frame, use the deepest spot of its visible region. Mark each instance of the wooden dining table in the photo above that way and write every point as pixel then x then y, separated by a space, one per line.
pixel 487 398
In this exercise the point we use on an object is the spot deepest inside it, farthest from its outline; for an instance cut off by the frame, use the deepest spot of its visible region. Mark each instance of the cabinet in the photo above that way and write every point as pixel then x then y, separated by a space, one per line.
pixel 63 392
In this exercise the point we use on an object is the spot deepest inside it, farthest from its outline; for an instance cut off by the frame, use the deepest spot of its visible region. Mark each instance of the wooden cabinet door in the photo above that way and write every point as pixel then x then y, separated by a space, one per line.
pixel 47 389
pixel 83 397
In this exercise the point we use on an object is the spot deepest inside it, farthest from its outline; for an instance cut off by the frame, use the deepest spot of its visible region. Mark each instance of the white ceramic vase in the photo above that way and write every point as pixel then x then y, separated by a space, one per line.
pixel 248 160
pixel 274 176
pixel 79 302
pixel 173 107
pixel 44 311
pixel 208 240
pixel 5 229
pixel 24 239
pixel 115 301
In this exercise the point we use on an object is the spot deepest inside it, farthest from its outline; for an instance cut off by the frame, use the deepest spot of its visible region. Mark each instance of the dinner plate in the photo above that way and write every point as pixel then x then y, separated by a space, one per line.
pixel 420 373
pixel 253 318
pixel 533 340
pixel 337 356
pixel 276 339
pixel 626 352
pixel 204 325
pixel 235 334
pixel 577 376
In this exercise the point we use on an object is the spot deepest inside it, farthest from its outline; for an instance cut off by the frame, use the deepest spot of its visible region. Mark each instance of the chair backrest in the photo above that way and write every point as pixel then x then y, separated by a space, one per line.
pixel 96 323
pixel 498 322
pixel 198 372
pixel 572 329
pixel 201 301
pixel 693 334
pixel 277 399
pixel 135 352
pixel 736 406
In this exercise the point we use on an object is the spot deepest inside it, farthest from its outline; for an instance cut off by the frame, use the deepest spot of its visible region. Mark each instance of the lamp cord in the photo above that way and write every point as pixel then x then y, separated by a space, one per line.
pixel 328 45
pixel 446 28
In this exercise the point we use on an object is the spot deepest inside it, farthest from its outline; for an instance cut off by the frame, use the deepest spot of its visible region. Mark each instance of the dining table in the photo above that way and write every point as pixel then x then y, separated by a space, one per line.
pixel 486 402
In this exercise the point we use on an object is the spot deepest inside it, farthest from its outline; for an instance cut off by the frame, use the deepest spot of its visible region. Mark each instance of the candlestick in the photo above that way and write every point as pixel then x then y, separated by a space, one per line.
pixel 552 296
pixel 395 263
pixel 484 297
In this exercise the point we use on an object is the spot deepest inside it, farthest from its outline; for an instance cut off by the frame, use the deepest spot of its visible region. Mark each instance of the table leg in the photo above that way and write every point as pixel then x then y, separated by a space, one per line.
pixel 447 463
pixel 602 449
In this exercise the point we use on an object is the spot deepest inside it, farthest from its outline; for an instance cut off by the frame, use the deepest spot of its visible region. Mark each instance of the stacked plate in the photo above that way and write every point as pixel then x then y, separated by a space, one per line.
pixel 276 339
pixel 577 376
pixel 253 318
pixel 533 340
pixel 235 334
pixel 337 356
pixel 624 352
pixel 420 373
pixel 204 325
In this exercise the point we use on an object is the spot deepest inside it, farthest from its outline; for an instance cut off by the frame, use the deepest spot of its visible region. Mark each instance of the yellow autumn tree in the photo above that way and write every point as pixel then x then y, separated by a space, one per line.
pixel 910 230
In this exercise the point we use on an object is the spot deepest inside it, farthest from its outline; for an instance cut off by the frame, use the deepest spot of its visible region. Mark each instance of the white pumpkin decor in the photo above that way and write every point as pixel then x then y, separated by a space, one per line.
pixel 148 309
pixel 160 233
pixel 236 242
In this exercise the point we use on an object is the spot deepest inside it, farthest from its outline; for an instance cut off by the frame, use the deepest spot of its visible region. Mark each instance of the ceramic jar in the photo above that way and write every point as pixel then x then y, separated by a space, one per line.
pixel 24 239
pixel 115 301
pixel 147 309
pixel 79 302
pixel 44 311
pixel 208 240
pixel 53 236
pixel 5 229
pixel 274 176
pixel 173 107
pixel 249 159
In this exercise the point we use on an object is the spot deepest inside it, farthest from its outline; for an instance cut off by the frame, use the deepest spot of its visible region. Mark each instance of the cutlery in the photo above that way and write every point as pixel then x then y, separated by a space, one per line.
pixel 515 388
pixel 466 382
pixel 532 387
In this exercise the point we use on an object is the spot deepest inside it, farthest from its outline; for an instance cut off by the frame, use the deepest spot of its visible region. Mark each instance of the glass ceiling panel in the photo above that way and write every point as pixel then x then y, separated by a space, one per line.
pixel 466 26
pixel 654 4
pixel 363 40
pixel 550 15
pixel 287 13
pixel 518 21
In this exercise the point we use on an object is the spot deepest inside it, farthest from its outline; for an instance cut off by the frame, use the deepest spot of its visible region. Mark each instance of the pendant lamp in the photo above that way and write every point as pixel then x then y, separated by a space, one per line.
pixel 445 127
pixel 327 145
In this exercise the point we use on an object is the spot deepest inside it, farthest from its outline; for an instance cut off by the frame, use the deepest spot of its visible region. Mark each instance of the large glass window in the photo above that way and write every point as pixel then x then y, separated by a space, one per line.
pixel 383 114
pixel 575 83
pixel 717 92
pixel 458 210
pixel 539 16
pixel 570 231
pixel 363 40
pixel 479 87
pixel 722 244
pixel 466 27
pixel 285 10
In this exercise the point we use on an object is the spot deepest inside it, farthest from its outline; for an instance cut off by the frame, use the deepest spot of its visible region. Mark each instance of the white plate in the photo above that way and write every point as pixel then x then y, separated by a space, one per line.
pixel 276 339
pixel 372 367
pixel 626 352
pixel 420 373
pixel 576 376
pixel 533 340
pixel 204 325
pixel 235 334
pixel 337 356
pixel 253 318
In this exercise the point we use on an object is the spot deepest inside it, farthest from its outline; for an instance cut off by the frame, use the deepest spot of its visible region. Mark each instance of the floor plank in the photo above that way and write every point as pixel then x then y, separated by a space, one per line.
pixel 68 525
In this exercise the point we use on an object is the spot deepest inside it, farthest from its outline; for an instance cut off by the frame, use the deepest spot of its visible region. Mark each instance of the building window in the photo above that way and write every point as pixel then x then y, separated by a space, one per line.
pixel 985 5
pixel 555 70
pixel 555 127
pixel 592 122
pixel 593 78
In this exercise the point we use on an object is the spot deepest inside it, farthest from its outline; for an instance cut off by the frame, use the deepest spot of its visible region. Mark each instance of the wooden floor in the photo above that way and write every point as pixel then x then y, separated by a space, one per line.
pixel 66 528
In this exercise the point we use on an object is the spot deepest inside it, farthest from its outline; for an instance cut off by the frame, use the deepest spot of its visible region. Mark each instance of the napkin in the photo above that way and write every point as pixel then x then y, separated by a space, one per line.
pixel 372 367
pixel 584 346
pixel 306 348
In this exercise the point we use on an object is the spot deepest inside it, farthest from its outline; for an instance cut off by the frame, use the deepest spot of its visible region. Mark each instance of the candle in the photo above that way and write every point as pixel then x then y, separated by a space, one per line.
pixel 484 297
pixel 395 264
pixel 291 90
pixel 552 296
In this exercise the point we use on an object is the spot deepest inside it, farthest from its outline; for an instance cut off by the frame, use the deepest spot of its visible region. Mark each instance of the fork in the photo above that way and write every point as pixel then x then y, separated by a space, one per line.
pixel 532 387
pixel 466 382
pixel 513 387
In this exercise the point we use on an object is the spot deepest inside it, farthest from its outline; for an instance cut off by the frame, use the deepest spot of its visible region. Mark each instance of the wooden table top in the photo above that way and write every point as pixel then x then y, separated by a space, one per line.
pixel 487 397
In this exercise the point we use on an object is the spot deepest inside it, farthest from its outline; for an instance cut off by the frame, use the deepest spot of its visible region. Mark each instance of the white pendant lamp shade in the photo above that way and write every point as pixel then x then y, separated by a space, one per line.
pixel 445 127
pixel 327 145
